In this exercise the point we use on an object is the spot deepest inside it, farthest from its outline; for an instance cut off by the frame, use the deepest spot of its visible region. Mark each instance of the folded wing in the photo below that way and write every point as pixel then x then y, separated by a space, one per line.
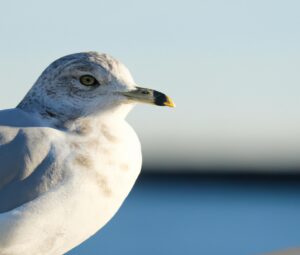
pixel 26 157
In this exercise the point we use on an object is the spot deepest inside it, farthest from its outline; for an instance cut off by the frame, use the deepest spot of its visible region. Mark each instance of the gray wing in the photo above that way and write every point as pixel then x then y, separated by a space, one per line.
pixel 25 157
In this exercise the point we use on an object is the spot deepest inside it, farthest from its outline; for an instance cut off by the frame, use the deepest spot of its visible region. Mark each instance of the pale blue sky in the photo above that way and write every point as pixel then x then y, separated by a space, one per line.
pixel 232 68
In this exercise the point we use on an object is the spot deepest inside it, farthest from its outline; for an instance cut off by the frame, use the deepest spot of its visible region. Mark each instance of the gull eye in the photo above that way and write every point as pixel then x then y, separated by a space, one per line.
pixel 88 80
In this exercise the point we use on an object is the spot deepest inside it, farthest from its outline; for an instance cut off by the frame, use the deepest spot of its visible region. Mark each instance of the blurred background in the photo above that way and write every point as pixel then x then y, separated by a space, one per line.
pixel 220 172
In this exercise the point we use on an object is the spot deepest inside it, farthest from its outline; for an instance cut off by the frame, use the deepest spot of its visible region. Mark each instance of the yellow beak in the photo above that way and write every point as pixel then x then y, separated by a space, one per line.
pixel 149 96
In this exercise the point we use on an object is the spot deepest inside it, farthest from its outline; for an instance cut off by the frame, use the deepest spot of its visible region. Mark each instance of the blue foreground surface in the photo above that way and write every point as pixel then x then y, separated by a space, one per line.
pixel 203 214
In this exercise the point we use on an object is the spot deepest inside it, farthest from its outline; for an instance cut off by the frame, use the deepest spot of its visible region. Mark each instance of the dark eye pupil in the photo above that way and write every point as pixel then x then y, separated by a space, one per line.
pixel 88 80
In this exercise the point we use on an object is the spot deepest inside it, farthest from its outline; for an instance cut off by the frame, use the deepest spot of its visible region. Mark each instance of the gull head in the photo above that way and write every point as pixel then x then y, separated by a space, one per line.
pixel 88 83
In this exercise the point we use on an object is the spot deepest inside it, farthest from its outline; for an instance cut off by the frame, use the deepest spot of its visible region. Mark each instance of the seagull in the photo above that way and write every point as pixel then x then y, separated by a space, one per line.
pixel 68 158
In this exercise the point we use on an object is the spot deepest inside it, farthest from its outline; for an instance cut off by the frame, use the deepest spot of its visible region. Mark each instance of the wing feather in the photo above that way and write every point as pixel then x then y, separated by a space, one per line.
pixel 26 156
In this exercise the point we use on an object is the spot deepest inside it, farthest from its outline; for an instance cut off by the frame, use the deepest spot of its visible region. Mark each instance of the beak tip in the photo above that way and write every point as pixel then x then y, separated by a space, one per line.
pixel 169 102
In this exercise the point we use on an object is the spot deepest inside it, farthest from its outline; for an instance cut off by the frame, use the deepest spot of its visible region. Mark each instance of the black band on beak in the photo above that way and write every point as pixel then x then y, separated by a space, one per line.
pixel 149 96
pixel 159 98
